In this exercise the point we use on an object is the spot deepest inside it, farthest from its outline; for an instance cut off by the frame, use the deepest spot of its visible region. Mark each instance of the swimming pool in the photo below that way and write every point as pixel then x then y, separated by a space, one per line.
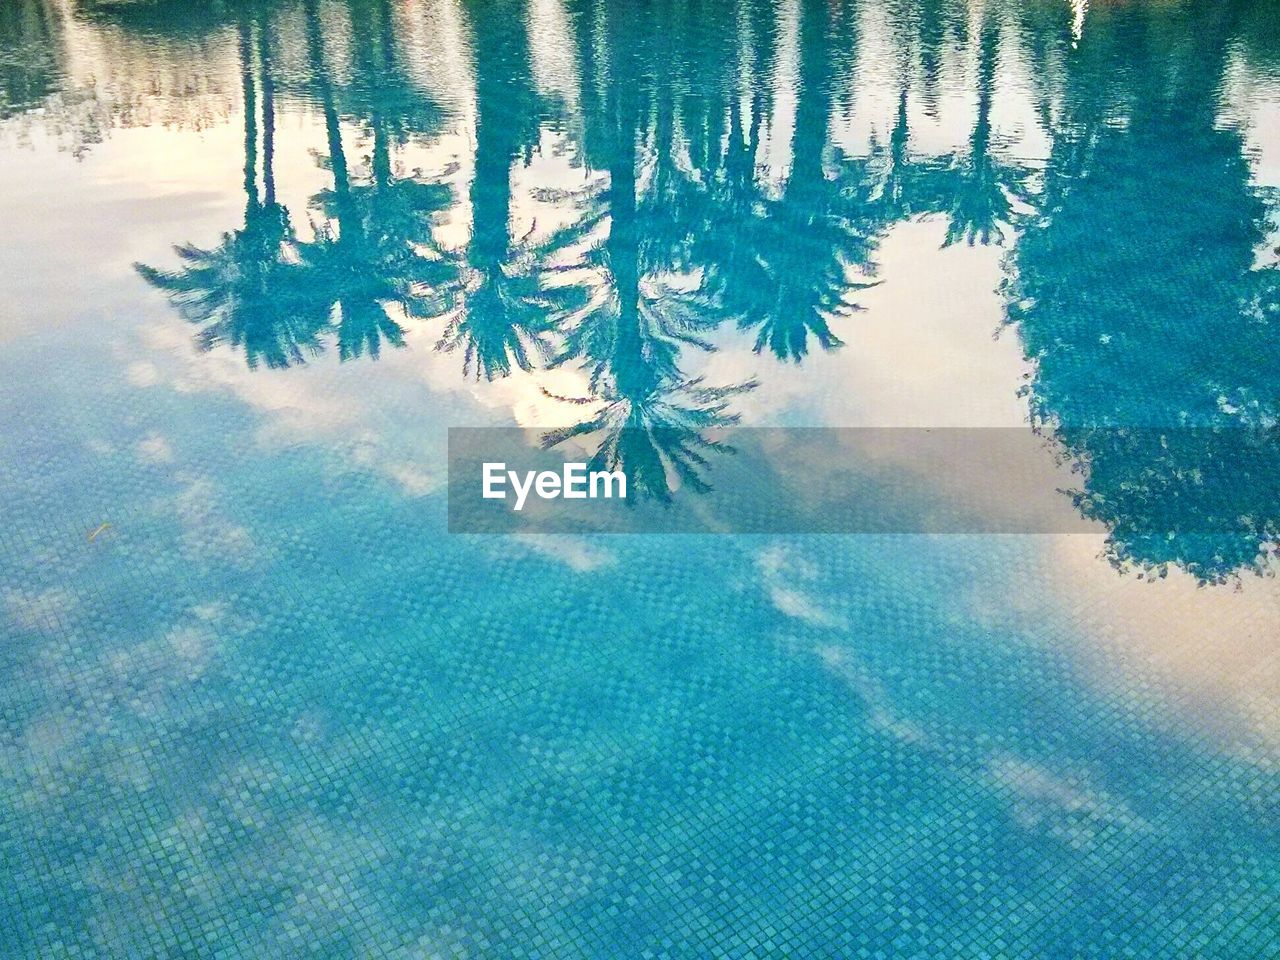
pixel 260 256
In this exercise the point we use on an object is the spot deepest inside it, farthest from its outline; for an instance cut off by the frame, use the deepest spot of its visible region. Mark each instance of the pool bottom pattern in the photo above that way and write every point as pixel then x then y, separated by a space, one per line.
pixel 282 714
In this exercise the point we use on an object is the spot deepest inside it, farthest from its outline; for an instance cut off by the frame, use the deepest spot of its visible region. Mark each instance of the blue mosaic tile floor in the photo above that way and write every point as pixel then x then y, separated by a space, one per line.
pixel 255 701
pixel 359 738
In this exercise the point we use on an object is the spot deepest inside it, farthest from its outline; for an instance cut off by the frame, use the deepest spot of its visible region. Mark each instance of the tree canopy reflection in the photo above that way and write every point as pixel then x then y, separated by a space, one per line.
pixel 717 206
pixel 1151 324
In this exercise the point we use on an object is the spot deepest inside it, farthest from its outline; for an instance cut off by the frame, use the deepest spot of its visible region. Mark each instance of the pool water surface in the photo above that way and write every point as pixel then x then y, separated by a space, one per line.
pixel 258 256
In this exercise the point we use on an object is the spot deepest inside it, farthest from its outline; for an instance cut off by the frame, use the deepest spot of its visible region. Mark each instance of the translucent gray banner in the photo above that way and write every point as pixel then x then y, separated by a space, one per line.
pixel 1149 482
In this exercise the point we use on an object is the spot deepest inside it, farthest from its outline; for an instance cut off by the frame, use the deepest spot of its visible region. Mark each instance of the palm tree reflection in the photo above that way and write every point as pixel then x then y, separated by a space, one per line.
pixel 673 238
pixel 984 187
pixel 374 254
pixel 795 273
pixel 249 291
pixel 631 302
pixel 502 322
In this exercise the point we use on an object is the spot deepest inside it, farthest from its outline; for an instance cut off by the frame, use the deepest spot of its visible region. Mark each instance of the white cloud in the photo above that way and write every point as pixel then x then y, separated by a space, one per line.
pixel 574 552
pixel 782 575
pixel 154 449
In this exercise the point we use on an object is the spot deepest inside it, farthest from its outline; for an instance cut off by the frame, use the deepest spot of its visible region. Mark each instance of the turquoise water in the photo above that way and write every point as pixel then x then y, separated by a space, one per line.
pixel 259 256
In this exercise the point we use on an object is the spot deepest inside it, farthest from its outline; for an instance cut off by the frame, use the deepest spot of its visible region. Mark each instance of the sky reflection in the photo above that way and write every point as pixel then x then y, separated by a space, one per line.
pixel 530 194
pixel 266 255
